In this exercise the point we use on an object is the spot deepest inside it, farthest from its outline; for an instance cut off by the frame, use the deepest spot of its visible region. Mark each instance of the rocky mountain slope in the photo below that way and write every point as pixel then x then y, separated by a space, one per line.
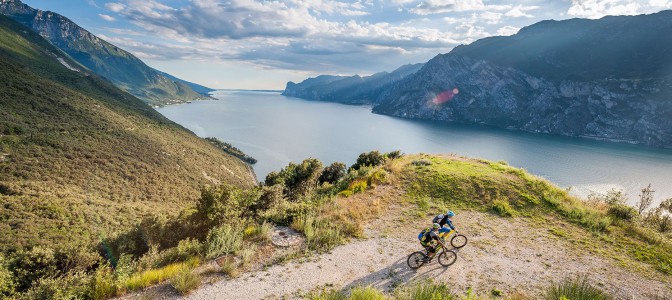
pixel 122 68
pixel 348 90
pixel 608 79
pixel 81 159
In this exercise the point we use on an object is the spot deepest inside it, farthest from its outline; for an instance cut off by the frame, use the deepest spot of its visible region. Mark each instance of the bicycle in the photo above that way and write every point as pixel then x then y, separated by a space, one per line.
pixel 458 240
pixel 419 258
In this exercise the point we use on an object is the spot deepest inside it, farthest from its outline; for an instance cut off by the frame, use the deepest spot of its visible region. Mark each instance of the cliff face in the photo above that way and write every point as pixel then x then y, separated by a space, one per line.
pixel 628 110
pixel 122 68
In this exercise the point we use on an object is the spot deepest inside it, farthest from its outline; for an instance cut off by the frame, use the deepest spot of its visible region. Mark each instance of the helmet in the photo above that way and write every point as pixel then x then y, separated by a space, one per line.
pixel 450 213
pixel 436 226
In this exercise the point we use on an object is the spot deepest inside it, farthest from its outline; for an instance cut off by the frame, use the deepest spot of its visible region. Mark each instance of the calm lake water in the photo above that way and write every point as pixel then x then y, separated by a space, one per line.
pixel 277 130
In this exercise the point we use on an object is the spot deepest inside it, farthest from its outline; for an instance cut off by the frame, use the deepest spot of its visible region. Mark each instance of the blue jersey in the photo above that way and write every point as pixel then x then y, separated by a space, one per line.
pixel 444 221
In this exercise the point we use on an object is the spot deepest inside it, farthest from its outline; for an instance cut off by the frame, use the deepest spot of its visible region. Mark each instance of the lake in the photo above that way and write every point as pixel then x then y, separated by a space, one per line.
pixel 277 130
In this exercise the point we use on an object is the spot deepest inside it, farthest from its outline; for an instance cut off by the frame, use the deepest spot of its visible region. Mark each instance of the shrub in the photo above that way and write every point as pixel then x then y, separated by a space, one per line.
pixel 102 284
pixel 261 233
pixel 345 193
pixel 333 173
pixel 30 266
pixel 658 220
pixel 378 177
pixel 223 203
pixel 73 286
pixel 645 199
pixel 224 239
pixel 185 250
pixel 357 186
pixel 185 281
pixel 366 293
pixel 327 295
pixel 394 154
pixel 575 289
pixel 503 208
pixel 371 159
pixel 622 212
pixel 421 162
pixel 426 290
pixel 298 180
pixel 7 284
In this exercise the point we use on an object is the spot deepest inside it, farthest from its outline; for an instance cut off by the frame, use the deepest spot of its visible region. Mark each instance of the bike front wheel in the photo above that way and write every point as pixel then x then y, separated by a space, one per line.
pixel 459 240
pixel 416 260
pixel 447 258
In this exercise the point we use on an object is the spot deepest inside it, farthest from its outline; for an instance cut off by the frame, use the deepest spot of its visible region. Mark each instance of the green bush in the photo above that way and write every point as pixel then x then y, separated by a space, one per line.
pixel 394 154
pixel 224 239
pixel 371 159
pixel 30 266
pixel 503 208
pixel 345 193
pixel 7 284
pixel 426 290
pixel 358 186
pixel 184 250
pixel 622 212
pixel 333 173
pixel 575 289
pixel 185 281
pixel 261 233
pixel 366 293
pixel 298 180
pixel 103 284
pixel 378 177
pixel 73 286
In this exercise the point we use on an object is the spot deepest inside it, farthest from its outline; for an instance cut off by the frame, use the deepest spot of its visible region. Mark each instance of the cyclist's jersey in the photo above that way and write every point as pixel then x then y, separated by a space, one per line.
pixel 444 221
pixel 429 237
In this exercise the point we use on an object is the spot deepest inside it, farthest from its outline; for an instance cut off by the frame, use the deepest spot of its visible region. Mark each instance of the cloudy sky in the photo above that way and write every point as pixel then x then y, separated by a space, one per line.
pixel 254 44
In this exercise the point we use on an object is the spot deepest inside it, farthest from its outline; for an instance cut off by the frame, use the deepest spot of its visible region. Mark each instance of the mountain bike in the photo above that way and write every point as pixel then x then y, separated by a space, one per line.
pixel 419 258
pixel 458 240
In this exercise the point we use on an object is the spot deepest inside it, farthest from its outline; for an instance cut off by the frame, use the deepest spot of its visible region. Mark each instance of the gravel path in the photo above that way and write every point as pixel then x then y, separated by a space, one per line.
pixel 503 254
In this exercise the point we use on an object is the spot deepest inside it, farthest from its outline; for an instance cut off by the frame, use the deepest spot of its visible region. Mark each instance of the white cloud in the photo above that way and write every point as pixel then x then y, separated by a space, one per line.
pixel 507 30
pixel 594 9
pixel 115 7
pixel 521 11
pixel 106 17
pixel 429 7
pixel 491 17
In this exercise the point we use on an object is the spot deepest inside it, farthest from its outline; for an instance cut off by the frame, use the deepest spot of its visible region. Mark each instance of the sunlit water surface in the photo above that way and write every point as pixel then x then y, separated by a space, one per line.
pixel 277 130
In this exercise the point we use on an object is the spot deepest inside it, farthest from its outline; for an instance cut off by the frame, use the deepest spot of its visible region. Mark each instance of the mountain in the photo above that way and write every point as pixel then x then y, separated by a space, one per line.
pixel 607 79
pixel 81 159
pixel 203 90
pixel 348 90
pixel 120 67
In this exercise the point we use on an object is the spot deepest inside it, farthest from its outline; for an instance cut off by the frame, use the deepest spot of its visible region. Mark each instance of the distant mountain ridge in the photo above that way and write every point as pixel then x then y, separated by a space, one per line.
pixel 348 90
pixel 122 68
pixel 607 79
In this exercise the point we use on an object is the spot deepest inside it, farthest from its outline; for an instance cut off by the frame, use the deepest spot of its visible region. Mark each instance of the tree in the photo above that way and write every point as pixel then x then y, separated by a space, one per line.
pixel 333 173
pixel 645 199
pixel 371 159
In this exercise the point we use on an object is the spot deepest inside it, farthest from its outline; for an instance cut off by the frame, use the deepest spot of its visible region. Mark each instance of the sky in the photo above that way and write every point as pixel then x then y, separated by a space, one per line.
pixel 253 44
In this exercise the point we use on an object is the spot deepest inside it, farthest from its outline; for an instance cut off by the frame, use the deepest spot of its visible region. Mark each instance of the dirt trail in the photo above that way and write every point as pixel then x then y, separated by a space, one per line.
pixel 504 254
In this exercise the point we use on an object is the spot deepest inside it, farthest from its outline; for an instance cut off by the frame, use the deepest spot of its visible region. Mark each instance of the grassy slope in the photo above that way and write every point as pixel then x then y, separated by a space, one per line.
pixel 79 157
pixel 450 182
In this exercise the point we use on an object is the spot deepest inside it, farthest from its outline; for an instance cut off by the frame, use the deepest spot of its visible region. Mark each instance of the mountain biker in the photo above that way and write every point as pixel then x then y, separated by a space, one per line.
pixel 429 238
pixel 444 220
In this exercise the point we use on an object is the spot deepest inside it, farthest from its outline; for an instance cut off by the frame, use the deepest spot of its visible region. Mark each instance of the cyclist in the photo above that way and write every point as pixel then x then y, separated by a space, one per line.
pixel 429 238
pixel 444 220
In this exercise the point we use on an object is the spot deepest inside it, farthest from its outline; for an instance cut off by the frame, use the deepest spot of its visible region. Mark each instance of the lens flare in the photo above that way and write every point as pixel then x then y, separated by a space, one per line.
pixel 445 96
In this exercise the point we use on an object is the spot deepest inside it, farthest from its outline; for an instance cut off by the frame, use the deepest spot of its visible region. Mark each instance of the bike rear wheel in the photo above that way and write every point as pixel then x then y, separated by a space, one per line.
pixel 459 240
pixel 416 260
pixel 447 258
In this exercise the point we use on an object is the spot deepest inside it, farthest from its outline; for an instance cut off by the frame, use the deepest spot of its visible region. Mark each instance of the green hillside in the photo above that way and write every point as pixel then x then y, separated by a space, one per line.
pixel 81 159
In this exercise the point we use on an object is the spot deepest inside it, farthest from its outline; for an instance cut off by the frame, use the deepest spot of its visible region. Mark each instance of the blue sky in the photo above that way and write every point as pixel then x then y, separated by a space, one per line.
pixel 256 44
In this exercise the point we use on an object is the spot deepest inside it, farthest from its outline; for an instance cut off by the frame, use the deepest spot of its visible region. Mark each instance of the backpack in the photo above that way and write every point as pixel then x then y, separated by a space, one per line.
pixel 437 219
pixel 424 235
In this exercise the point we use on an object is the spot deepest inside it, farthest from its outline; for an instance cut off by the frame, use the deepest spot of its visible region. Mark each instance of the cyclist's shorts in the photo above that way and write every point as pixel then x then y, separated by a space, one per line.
pixel 445 234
